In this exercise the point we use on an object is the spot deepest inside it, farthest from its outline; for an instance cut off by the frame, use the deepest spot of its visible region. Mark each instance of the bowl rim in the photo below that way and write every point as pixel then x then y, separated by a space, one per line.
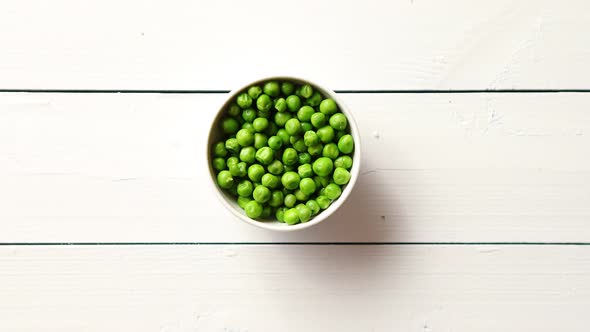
pixel 323 215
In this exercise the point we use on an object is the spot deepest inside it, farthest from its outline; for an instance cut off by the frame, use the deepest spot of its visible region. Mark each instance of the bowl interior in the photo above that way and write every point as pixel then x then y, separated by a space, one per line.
pixel 230 202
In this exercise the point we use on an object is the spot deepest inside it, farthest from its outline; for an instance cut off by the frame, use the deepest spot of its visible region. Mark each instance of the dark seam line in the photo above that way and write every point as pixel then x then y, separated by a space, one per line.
pixel 459 91
pixel 292 243
pixel 115 91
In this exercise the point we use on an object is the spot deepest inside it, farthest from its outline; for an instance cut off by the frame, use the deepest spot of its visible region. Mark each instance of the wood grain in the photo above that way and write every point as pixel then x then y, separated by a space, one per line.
pixel 182 44
pixel 437 168
pixel 294 288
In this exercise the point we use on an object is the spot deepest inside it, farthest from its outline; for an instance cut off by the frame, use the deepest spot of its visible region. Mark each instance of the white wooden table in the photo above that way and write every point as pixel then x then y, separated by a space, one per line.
pixel 472 212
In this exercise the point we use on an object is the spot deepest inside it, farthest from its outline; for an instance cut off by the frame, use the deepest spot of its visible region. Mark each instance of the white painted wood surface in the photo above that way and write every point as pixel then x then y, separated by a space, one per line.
pixel 372 44
pixel 437 168
pixel 295 288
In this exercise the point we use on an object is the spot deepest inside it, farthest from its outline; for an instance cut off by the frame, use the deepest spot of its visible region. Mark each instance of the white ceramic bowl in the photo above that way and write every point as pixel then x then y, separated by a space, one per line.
pixel 230 202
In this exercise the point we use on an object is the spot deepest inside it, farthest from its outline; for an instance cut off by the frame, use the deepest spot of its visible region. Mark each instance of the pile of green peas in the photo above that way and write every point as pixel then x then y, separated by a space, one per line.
pixel 286 151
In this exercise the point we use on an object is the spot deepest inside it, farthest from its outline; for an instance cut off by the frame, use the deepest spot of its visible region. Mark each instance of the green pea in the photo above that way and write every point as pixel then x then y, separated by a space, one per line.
pixel 272 88
pixel 289 168
pixel 267 211
pixel 232 145
pixel 323 201
pixel 232 161
pixel 242 201
pixel 270 181
pixel 300 195
pixel 247 154
pixel 294 139
pixel 341 176
pixel 290 180
pixel 344 162
pixel 346 144
pixel 254 91
pixel 292 126
pixel 276 167
pixel 282 118
pixel 304 114
pixel 245 137
pixel 260 124
pixel 304 171
pixel 328 106
pixel 313 206
pixel 280 214
pixel 255 172
pixel 219 150
pixel 272 129
pixel 326 134
pixel 304 212
pixel 299 145
pixel 284 136
pixel 290 200
pixel 225 180
pixel 289 156
pixel 304 158
pixel 323 166
pixel 264 114
pixel 306 91
pixel 253 209
pixel 261 194
pixel 318 120
pixel 339 134
pixel 298 91
pixel 249 115
pixel 330 151
pixel 307 186
pixel 234 110
pixel 281 104
pixel 311 138
pixel 219 163
pixel 293 103
pixel 260 140
pixel 287 88
pixel 276 199
pixel 230 125
pixel 247 125
pixel 291 216
pixel 264 103
pixel 265 155
pixel 315 150
pixel 233 190
pixel 315 99
pixel 318 182
pixel 239 169
pixel 332 191
pixel 306 126
pixel 244 100
pixel 338 121
pixel 324 180
pixel 275 142
pixel 245 188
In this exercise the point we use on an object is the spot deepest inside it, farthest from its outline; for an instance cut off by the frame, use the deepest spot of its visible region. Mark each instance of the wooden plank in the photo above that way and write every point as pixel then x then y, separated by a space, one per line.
pixel 295 288
pixel 182 44
pixel 450 167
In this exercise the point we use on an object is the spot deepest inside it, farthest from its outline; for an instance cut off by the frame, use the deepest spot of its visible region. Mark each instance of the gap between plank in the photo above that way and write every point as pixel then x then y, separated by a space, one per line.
pixel 294 243
pixel 464 91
